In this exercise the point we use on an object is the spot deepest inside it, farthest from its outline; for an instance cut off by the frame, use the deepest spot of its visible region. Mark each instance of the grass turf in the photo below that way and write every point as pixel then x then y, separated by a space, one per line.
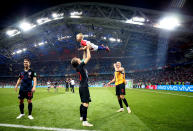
pixel 150 110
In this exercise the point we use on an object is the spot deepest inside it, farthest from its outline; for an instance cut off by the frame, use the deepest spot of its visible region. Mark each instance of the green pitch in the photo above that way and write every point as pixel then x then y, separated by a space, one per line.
pixel 151 110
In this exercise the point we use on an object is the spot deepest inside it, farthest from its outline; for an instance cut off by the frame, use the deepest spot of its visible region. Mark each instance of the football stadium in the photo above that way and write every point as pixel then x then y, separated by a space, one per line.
pixel 97 66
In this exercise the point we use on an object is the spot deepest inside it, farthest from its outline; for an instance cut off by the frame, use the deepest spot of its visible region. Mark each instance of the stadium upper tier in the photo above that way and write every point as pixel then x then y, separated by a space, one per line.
pixel 135 37
pixel 120 27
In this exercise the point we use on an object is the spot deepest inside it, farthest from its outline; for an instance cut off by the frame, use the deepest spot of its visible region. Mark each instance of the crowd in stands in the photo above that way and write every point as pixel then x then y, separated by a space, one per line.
pixel 178 75
pixel 101 66
pixel 7 81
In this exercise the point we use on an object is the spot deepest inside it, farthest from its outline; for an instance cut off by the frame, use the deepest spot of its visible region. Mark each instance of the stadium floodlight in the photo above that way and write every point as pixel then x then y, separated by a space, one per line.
pixel 25 26
pixel 130 21
pixel 57 16
pixel 13 53
pixel 76 14
pixel 168 23
pixel 41 43
pixel 24 49
pixel 54 15
pixel 118 40
pixel 19 51
pixel 73 16
pixel 43 20
pixel 138 19
pixel 104 38
pixel 112 39
pixel 12 32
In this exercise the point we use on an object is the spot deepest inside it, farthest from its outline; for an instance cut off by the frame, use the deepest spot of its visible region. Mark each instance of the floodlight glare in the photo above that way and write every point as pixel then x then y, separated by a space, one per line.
pixel 19 51
pixel 41 43
pixel 118 40
pixel 57 16
pixel 24 49
pixel 112 39
pixel 138 19
pixel 25 26
pixel 12 32
pixel 74 16
pixel 76 13
pixel 168 23
pixel 54 15
pixel 43 20
pixel 130 21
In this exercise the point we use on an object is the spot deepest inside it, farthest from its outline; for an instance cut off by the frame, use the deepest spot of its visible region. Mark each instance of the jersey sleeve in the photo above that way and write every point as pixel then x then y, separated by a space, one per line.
pixel 34 74
pixel 19 76
pixel 82 63
pixel 80 66
pixel 83 43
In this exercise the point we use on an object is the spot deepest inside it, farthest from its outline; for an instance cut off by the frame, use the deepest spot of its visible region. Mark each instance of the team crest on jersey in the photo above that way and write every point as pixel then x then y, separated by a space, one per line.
pixel 29 74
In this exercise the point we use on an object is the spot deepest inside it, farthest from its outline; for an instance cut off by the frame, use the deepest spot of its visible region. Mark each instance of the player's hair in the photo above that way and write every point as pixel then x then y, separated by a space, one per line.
pixel 118 62
pixel 27 59
pixel 74 62
pixel 80 34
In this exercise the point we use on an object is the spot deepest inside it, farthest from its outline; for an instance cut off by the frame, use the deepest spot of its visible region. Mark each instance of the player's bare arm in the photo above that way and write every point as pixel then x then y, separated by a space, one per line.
pixel 82 48
pixel 88 56
pixel 84 54
pixel 35 84
pixel 112 81
pixel 17 84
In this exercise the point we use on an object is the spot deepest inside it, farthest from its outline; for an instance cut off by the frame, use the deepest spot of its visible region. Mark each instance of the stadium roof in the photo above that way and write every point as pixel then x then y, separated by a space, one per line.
pixel 97 20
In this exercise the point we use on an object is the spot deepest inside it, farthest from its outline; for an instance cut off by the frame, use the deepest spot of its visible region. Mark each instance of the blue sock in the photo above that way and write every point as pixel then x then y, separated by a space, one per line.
pixel 101 48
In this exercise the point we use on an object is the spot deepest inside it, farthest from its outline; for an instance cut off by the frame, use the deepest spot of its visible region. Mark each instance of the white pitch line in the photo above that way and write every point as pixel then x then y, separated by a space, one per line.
pixel 40 128
pixel 167 93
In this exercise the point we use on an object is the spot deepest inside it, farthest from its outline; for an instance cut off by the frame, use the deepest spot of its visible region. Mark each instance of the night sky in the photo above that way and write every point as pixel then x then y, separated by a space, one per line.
pixel 13 11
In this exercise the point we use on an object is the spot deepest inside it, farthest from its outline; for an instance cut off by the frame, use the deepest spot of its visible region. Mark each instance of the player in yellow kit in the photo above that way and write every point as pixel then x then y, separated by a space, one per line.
pixel 119 79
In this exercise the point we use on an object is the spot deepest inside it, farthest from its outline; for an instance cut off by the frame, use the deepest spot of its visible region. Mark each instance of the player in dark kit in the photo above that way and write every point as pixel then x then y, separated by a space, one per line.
pixel 67 84
pixel 55 87
pixel 26 88
pixel 83 88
